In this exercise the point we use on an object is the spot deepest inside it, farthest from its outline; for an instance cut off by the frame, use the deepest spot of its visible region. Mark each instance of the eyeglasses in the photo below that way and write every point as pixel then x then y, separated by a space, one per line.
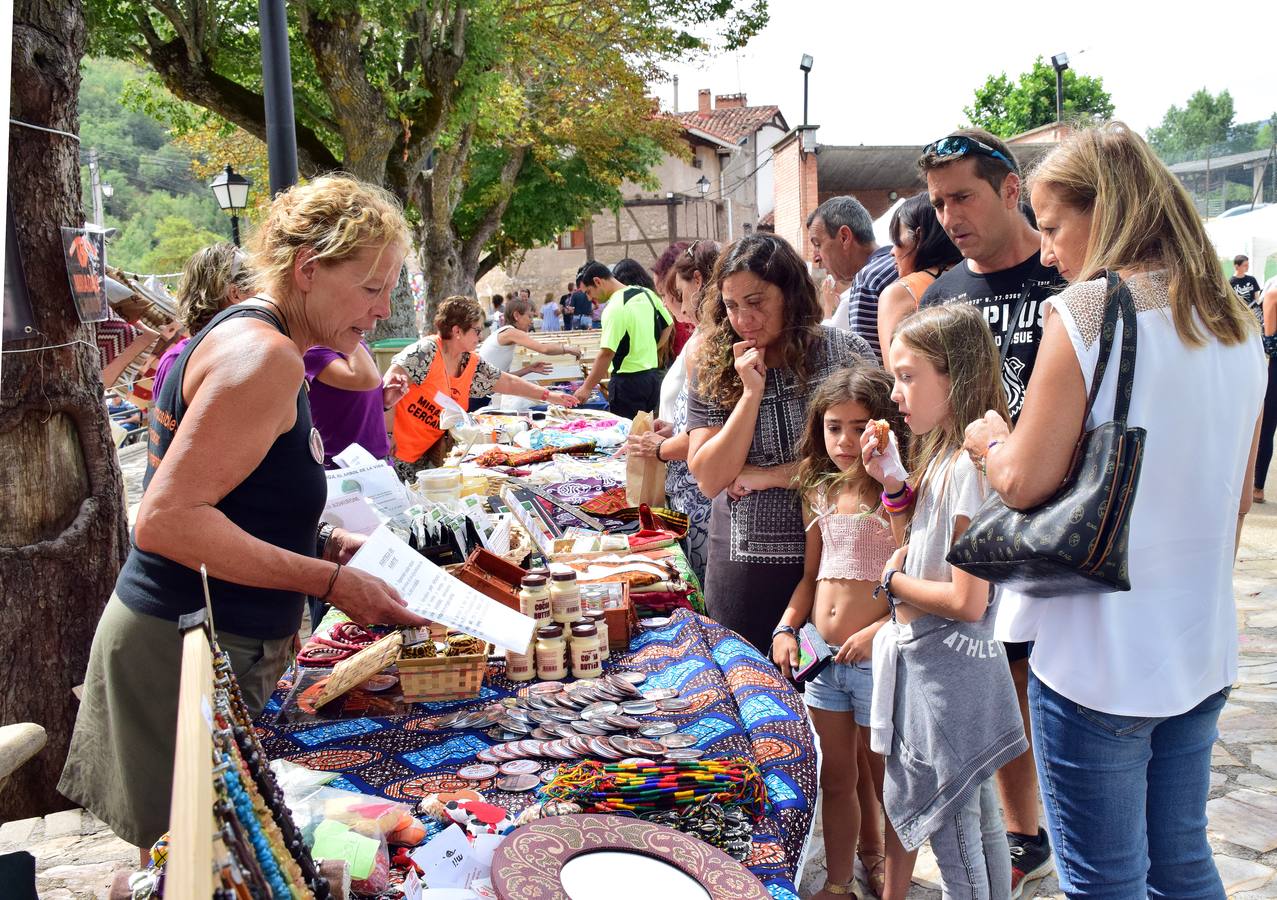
pixel 961 145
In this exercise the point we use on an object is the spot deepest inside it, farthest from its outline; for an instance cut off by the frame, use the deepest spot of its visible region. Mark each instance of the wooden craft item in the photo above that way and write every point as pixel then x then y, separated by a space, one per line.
pixel 351 673
pixel 492 576
pixel 527 864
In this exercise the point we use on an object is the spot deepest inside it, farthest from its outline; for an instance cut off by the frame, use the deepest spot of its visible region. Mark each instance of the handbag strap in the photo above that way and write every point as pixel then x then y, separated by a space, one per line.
pixel 1118 301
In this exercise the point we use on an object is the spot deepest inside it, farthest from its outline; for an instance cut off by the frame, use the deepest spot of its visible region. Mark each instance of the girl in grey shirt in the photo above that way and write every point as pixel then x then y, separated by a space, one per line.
pixel 944 711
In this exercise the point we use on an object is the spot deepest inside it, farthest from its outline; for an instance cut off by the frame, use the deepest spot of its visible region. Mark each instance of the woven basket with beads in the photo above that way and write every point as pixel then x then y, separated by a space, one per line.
pixel 443 677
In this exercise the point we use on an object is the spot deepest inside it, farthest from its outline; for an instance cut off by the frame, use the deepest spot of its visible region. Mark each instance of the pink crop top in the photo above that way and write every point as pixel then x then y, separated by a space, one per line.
pixel 855 545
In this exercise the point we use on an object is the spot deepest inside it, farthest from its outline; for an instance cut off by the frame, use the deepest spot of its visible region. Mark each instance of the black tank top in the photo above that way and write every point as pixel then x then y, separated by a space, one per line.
pixel 279 502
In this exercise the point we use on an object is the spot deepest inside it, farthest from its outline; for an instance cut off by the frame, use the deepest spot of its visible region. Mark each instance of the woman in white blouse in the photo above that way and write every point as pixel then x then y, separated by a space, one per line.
pixel 1126 688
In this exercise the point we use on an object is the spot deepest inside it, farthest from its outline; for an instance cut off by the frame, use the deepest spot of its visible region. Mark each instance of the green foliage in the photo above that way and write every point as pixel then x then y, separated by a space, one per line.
pixel 1204 126
pixel 151 176
pixel 556 89
pixel 1007 108
pixel 1203 121
pixel 176 240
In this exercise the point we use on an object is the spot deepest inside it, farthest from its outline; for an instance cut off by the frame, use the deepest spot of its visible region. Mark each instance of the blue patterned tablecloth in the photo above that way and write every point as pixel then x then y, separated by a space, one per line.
pixel 740 707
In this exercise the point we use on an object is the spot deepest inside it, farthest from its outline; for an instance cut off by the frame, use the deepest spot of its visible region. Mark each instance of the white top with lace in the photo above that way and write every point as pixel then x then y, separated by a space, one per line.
pixel 1171 641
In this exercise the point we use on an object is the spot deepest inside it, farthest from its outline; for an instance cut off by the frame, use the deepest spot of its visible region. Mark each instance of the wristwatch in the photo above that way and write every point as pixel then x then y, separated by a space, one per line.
pixel 785 629
pixel 321 539
pixel 657 454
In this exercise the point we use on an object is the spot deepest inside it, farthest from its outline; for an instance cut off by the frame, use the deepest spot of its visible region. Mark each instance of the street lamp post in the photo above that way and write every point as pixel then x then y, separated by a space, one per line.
pixel 231 190
pixel 805 65
pixel 1059 62
pixel 703 186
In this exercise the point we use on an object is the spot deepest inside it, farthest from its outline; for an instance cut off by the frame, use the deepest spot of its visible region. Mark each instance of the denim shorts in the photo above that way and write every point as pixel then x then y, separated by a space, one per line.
pixel 842 687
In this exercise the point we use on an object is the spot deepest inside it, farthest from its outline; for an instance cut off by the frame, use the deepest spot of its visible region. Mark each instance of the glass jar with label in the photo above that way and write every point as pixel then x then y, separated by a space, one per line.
pixel 565 597
pixel 593 596
pixel 585 652
pixel 534 599
pixel 599 621
pixel 550 648
pixel 520 666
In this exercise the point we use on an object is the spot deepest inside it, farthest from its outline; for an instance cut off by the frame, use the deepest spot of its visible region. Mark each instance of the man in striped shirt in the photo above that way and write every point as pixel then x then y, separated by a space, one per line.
pixel 843 243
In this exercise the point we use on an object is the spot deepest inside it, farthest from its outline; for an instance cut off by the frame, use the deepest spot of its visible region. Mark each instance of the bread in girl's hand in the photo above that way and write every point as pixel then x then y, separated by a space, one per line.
pixel 882 431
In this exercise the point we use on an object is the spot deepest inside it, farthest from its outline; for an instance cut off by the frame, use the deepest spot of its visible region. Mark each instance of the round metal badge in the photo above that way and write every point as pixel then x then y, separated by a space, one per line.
pixel 316 446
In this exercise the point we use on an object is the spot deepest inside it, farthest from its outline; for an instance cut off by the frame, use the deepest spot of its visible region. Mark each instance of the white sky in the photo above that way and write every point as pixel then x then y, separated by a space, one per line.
pixel 900 71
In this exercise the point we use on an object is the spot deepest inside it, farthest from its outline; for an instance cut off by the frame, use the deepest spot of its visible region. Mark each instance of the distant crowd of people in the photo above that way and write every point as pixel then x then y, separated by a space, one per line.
pixel 952 710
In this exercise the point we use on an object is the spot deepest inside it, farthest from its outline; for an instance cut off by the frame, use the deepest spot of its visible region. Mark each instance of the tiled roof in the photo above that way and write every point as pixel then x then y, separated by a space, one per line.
pixel 730 124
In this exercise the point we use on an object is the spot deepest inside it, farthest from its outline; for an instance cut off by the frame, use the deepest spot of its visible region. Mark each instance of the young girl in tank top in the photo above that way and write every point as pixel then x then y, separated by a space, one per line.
pixel 944 711
pixel 849 541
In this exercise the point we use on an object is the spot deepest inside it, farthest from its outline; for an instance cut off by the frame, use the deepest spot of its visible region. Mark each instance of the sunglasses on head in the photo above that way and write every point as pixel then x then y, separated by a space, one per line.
pixel 961 145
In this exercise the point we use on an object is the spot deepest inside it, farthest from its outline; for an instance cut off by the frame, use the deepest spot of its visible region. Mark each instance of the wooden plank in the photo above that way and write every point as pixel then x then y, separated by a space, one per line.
pixel 190 865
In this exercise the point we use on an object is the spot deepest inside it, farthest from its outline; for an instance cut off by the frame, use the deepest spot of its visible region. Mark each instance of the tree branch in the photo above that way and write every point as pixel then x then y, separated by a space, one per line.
pixel 360 110
pixel 490 221
pixel 196 82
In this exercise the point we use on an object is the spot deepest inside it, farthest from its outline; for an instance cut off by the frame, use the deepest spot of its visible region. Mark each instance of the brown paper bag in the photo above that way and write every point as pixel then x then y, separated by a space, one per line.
pixel 644 475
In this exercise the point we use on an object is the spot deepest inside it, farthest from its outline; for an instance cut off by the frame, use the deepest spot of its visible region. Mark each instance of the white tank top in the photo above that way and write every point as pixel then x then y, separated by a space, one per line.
pixel 499 356
pixel 1171 641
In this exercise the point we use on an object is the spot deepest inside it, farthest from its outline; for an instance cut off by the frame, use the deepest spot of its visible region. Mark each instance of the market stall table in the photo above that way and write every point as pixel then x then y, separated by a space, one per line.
pixel 739 707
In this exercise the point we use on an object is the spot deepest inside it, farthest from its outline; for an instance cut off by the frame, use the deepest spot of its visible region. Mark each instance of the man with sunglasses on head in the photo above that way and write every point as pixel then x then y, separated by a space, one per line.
pixel 975 186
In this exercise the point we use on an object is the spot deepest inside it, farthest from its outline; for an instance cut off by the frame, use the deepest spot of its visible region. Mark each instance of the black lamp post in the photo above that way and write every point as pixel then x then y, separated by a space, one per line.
pixel 1059 62
pixel 231 190
pixel 703 185
pixel 805 65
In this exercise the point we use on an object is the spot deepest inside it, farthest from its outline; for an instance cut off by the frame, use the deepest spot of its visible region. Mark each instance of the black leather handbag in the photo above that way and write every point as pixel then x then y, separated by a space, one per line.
pixel 1076 541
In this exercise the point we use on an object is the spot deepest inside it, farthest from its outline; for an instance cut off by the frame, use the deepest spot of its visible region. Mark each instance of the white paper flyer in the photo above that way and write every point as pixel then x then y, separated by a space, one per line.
pixel 433 593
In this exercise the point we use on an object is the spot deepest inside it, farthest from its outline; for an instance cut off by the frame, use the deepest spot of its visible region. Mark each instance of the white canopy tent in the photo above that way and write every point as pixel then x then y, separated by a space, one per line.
pixel 1253 234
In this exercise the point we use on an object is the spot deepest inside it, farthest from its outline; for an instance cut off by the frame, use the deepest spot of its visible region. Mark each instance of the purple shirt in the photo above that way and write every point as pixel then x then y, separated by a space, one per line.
pixel 166 362
pixel 344 417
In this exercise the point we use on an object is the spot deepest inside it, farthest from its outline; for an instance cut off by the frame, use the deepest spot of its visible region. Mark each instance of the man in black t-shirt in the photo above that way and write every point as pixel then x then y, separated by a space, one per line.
pixel 1245 285
pixel 975 189
pixel 582 310
pixel 974 183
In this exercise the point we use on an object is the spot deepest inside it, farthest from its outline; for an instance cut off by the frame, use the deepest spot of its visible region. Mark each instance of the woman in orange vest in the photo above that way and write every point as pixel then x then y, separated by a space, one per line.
pixel 448 363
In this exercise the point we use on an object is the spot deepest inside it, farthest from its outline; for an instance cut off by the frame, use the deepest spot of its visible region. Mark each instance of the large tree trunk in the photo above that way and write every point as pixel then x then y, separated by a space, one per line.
pixel 63 531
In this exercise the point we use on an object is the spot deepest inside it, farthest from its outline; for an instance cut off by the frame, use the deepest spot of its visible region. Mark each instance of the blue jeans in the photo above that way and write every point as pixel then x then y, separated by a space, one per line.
pixel 971 850
pixel 1125 797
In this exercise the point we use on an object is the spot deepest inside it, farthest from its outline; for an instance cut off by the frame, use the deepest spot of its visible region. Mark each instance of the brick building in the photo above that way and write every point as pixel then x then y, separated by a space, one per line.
pixel 808 173
pixel 720 191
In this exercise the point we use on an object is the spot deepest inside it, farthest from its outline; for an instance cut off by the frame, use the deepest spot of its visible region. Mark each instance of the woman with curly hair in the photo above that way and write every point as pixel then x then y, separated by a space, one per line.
pixel 763 353
pixel 212 279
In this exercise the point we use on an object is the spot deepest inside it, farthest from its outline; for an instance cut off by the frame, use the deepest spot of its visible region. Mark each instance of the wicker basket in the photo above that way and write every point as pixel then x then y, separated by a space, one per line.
pixel 443 677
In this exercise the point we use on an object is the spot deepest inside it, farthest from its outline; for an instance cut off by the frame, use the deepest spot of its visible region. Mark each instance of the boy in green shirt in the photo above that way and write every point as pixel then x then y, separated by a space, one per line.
pixel 635 322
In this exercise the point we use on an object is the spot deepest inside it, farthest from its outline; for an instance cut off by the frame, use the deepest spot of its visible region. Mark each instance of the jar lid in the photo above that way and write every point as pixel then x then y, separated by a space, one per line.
pixel 533 581
pixel 596 614
pixel 550 631
pixel 564 576
pixel 439 477
pixel 584 630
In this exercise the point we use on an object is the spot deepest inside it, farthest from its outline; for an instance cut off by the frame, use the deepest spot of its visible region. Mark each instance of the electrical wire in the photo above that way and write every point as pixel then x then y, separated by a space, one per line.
pixel 74 137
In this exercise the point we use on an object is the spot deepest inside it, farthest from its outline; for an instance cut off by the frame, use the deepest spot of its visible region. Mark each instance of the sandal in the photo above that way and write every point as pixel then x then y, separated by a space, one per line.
pixel 875 871
pixel 1258 495
pixel 847 888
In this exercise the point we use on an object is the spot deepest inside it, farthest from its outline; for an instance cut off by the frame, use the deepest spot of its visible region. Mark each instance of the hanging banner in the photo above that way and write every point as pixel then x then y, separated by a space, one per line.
pixel 84 251
pixel 19 324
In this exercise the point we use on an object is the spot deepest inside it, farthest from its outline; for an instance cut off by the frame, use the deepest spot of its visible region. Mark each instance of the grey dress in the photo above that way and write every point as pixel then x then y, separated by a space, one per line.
pixel 756 544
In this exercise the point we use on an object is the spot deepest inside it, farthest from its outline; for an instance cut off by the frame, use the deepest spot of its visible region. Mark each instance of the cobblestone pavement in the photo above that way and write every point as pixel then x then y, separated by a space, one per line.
pixel 76 855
